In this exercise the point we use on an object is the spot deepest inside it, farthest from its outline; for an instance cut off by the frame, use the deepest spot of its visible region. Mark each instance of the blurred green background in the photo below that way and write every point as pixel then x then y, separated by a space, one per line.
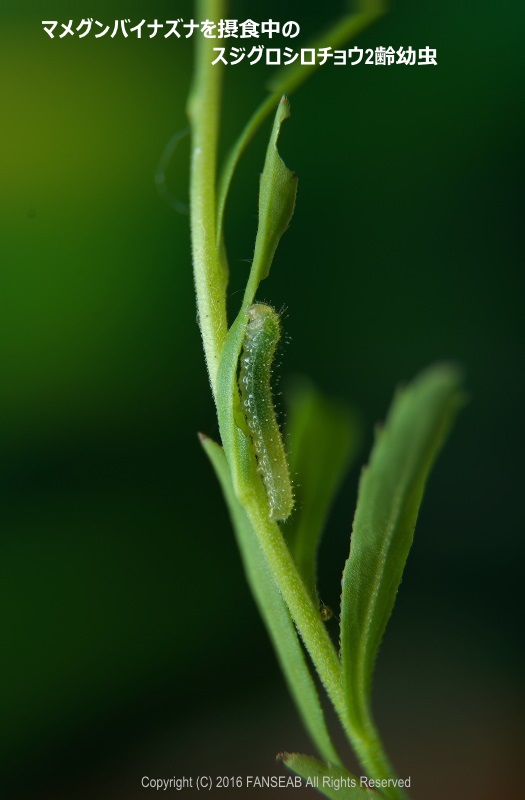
pixel 130 643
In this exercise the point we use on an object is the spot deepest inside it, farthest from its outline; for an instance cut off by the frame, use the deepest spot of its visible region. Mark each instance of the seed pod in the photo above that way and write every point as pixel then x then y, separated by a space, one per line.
pixel 260 342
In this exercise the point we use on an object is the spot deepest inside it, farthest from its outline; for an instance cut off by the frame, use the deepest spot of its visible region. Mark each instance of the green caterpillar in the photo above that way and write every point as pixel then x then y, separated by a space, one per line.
pixel 262 335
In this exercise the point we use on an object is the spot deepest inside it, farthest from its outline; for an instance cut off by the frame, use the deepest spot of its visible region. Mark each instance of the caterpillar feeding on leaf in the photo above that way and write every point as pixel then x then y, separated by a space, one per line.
pixel 261 338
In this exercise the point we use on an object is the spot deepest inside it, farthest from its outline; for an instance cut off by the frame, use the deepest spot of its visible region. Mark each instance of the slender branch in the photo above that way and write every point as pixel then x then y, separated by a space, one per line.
pixel 370 750
pixel 286 81
pixel 209 273
pixel 365 738
pixel 304 612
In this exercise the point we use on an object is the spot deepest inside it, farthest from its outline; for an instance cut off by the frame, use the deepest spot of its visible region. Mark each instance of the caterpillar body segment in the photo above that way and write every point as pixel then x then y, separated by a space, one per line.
pixel 262 336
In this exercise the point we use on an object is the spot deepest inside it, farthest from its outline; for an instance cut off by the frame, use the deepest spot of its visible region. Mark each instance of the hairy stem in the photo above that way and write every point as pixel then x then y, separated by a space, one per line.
pixel 365 738
pixel 304 612
pixel 208 267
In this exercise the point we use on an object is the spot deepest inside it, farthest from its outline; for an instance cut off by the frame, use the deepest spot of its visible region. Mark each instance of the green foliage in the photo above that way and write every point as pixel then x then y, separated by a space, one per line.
pixel 323 437
pixel 273 610
pixel 287 80
pixel 277 193
pixel 390 493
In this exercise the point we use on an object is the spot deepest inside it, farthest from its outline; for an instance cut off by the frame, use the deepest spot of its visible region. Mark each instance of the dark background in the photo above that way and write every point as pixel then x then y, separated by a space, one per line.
pixel 131 646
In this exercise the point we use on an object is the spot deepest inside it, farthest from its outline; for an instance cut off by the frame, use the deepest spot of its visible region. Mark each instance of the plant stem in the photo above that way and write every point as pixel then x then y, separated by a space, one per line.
pixel 371 753
pixel 364 738
pixel 209 272
pixel 303 610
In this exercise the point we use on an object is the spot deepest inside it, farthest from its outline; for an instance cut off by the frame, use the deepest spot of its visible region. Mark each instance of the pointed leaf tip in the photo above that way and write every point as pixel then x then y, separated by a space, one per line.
pixel 277 194
pixel 390 493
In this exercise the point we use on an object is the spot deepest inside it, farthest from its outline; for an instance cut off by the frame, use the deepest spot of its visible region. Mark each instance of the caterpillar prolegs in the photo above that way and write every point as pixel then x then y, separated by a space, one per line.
pixel 262 335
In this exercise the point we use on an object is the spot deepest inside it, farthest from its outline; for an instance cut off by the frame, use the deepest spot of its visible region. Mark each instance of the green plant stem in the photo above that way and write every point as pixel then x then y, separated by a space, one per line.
pixel 365 739
pixel 303 610
pixel 233 158
pixel 370 750
pixel 208 267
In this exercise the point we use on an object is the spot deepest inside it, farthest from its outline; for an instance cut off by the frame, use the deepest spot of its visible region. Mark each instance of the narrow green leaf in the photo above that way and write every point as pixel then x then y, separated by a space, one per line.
pixel 322 439
pixel 277 193
pixel 273 610
pixel 390 493
pixel 331 780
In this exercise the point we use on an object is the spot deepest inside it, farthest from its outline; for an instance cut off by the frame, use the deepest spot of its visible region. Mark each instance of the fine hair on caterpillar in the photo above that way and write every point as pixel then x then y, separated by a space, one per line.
pixel 261 338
